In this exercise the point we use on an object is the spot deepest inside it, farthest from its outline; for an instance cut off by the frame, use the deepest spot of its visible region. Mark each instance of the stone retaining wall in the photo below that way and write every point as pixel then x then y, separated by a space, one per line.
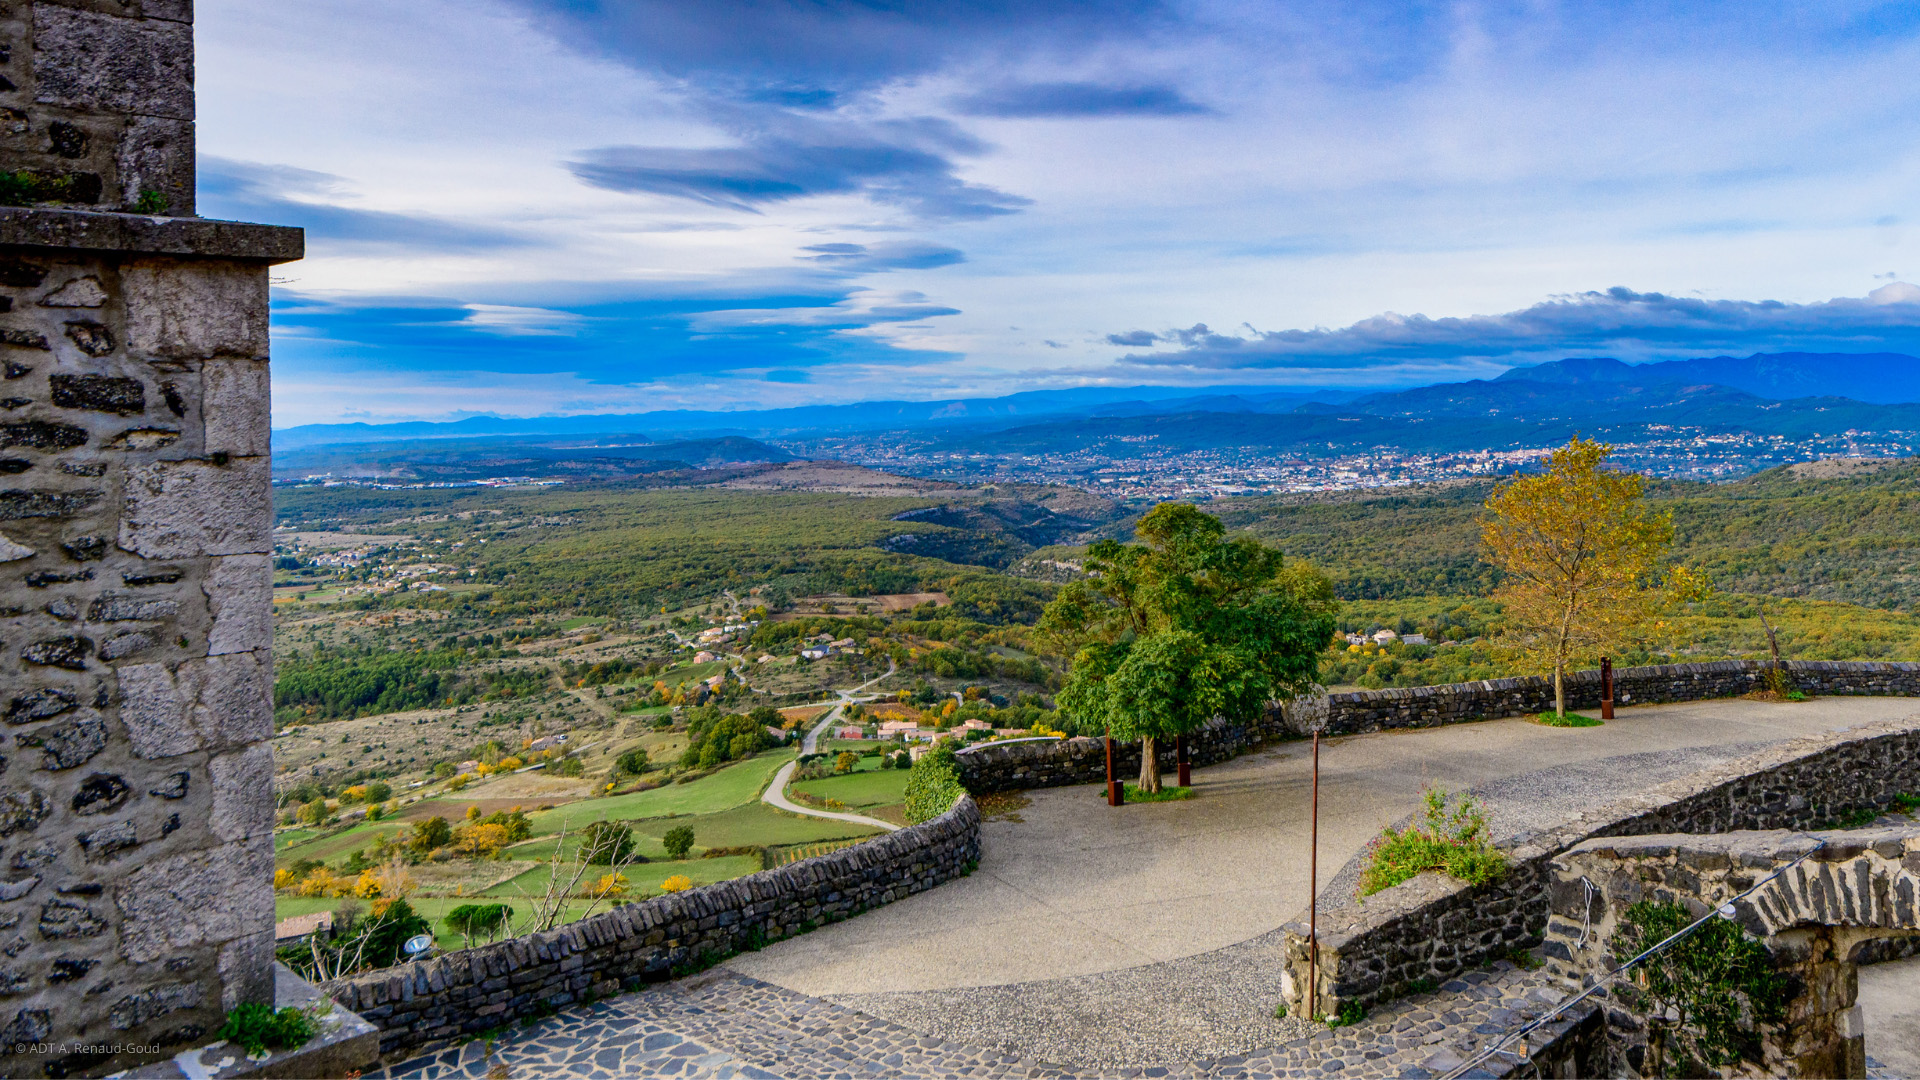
pixel 1433 927
pixel 434 1001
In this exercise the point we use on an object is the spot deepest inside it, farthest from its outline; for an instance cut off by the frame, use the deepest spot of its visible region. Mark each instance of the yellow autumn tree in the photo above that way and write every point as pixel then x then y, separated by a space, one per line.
pixel 1580 552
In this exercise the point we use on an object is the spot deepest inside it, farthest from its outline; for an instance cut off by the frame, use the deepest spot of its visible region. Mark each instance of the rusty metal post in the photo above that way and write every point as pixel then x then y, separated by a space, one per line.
pixel 1115 793
pixel 1180 756
pixel 1313 889
pixel 1606 688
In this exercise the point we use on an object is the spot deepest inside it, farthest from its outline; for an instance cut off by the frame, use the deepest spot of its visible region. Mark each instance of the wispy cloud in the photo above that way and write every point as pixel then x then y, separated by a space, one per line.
pixel 1079 99
pixel 253 191
pixel 1617 321
pixel 909 163
pixel 886 255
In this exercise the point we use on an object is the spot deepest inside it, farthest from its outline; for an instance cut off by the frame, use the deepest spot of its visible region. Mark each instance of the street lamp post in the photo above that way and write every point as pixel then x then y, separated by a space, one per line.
pixel 1313 884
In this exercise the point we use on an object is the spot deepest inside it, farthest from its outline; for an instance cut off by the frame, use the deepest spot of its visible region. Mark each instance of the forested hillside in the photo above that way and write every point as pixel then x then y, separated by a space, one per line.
pixel 1853 539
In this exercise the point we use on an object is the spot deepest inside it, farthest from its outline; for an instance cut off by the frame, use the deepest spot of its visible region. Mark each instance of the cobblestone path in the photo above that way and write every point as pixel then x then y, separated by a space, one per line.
pixel 721 1024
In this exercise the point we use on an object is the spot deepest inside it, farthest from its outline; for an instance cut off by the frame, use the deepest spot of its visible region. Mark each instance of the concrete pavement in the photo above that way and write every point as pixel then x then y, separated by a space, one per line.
pixel 1079 888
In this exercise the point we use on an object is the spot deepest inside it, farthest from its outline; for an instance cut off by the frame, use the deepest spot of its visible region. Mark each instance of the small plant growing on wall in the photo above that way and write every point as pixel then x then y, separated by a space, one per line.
pixel 1708 993
pixel 1452 841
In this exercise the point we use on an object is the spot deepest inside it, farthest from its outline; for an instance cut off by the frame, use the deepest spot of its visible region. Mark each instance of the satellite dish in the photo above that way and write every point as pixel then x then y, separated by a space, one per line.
pixel 418 944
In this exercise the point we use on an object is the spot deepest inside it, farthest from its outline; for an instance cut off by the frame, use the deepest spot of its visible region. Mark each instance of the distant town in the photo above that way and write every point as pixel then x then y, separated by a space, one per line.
pixel 1136 468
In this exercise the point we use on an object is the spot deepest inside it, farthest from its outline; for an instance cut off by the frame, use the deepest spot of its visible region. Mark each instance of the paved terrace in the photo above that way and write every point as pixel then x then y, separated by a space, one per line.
pixel 1095 940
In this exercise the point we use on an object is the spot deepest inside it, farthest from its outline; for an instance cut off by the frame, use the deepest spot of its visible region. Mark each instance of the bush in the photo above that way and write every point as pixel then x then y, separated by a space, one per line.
pixel 1454 843
pixel 677 883
pixel 608 842
pixel 678 841
pixel 569 766
pixel 933 785
pixel 428 834
pixel 633 762
pixel 378 791
pixel 1716 987
pixel 315 812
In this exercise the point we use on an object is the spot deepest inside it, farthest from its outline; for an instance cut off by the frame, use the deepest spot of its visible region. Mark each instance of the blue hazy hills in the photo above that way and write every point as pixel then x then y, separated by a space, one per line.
pixel 1794 395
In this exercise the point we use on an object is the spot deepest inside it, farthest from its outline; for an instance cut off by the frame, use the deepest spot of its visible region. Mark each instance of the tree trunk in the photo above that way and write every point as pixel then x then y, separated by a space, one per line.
pixel 1149 766
pixel 1560 689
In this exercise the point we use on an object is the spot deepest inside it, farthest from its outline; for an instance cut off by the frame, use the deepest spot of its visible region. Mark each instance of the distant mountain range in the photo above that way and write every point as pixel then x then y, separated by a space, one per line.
pixel 1792 395
pixel 860 416
pixel 518 455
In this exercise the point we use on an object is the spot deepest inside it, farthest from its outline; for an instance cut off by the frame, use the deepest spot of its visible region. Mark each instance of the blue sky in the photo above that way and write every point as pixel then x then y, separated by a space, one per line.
pixel 555 206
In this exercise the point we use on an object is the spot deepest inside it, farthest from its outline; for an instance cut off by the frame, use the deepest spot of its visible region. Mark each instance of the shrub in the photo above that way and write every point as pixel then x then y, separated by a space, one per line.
pixel 677 883
pixel 933 785
pixel 678 841
pixel 314 812
pixel 569 766
pixel 1452 842
pixel 1717 986
pixel 608 842
pixel 428 834
pixel 378 791
pixel 633 762
pixel 479 840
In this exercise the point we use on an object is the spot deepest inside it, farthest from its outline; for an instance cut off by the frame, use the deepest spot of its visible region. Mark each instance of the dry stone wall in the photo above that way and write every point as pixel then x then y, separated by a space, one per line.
pixel 135 518
pixel 431 1002
pixel 1432 706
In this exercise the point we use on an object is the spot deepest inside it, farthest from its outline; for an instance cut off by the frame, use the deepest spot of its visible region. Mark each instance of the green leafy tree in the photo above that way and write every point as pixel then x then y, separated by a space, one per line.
pixel 608 843
pixel 315 812
pixel 633 762
pixel 1183 627
pixel 477 920
pixel 678 841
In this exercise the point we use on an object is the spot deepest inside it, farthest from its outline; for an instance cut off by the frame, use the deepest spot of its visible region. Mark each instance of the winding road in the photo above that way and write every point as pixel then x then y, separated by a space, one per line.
pixel 776 793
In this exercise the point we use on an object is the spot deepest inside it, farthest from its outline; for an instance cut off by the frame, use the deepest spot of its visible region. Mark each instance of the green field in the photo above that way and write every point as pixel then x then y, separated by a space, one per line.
pixel 871 786
pixel 731 786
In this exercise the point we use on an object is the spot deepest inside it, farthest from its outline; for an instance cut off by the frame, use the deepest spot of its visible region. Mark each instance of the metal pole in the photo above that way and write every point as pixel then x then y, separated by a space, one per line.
pixel 1606 688
pixel 1313 890
pixel 1180 755
pixel 1115 793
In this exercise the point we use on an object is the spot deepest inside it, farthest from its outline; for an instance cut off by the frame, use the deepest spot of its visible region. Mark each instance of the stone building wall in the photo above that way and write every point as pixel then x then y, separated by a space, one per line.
pixel 1433 927
pixel 96 103
pixel 432 1002
pixel 135 588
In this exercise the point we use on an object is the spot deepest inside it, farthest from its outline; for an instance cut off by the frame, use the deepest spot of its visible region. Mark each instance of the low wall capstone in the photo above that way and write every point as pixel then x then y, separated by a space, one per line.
pixel 432 1002
pixel 1433 927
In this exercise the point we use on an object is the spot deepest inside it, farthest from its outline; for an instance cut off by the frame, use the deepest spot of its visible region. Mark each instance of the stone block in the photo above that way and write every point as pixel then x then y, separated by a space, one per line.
pixel 247 970
pixel 239 591
pixel 236 404
pixel 242 793
pixel 208 897
pixel 181 509
pixel 104 63
pixel 156 154
pixel 211 704
pixel 198 310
